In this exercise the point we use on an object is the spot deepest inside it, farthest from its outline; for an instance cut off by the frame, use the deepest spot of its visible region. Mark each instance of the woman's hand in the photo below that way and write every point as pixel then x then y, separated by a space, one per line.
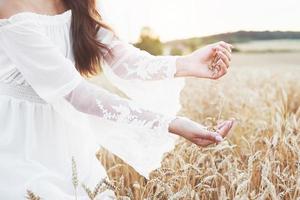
pixel 211 61
pixel 199 134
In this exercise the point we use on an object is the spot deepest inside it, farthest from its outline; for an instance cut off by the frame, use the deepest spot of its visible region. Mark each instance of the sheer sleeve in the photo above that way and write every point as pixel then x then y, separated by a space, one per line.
pixel 131 63
pixel 52 76
pixel 102 115
pixel 96 101
pixel 41 63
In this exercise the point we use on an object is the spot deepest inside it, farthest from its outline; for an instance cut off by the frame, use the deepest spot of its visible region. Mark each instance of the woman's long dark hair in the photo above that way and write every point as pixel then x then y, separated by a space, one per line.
pixel 86 22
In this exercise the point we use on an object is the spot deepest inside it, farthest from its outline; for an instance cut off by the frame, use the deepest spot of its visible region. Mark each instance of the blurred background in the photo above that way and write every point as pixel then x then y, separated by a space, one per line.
pixel 265 27
pixel 260 158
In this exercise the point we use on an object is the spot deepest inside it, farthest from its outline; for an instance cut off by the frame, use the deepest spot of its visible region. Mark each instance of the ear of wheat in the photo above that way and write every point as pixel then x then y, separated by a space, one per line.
pixel 32 196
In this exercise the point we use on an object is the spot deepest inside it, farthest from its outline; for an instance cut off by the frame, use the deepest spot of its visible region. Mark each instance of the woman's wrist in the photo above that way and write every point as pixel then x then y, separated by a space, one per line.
pixel 176 126
pixel 172 126
pixel 182 66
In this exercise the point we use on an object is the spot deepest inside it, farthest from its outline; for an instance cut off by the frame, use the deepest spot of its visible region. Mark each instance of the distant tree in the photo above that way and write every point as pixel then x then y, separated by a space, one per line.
pixel 193 44
pixel 149 42
pixel 176 51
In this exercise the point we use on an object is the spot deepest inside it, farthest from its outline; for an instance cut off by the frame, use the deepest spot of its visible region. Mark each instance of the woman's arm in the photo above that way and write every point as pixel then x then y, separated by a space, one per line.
pixel 94 100
pixel 91 99
pixel 131 63
pixel 53 76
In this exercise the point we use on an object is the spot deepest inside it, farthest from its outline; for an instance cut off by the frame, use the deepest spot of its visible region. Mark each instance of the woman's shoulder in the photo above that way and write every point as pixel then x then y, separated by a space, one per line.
pixel 19 15
pixel 9 8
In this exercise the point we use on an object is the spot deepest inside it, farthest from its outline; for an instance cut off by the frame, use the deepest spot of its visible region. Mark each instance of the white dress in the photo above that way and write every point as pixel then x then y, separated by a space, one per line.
pixel 49 113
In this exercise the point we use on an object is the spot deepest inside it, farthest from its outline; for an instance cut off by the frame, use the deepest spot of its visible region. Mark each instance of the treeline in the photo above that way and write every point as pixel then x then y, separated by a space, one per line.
pixel 242 36
pixel 150 42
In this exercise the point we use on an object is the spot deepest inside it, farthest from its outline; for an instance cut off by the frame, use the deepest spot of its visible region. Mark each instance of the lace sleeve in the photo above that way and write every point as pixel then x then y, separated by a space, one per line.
pixel 55 79
pixel 131 63
pixel 53 76
pixel 94 100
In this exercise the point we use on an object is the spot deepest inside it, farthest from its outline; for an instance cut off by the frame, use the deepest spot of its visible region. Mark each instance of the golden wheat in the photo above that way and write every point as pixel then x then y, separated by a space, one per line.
pixel 32 196
pixel 259 160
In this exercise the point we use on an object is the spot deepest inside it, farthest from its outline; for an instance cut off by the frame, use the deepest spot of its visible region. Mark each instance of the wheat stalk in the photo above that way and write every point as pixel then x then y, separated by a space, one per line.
pixel 32 196
pixel 74 177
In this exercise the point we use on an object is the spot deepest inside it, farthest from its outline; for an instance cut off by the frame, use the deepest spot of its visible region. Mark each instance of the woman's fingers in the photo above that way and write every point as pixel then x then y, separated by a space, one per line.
pixel 206 137
pixel 222 66
pixel 225 128
pixel 227 46
pixel 221 124
pixel 224 58
pixel 225 51
pixel 220 61
pixel 210 135
pixel 204 143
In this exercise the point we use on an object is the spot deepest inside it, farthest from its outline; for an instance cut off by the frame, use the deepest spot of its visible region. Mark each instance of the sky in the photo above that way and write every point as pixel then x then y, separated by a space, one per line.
pixel 178 19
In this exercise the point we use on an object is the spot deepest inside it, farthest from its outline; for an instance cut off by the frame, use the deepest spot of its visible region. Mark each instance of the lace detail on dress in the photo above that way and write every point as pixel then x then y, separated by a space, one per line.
pixel 23 92
pixel 14 77
pixel 97 101
pixel 53 76
pixel 131 63
pixel 145 68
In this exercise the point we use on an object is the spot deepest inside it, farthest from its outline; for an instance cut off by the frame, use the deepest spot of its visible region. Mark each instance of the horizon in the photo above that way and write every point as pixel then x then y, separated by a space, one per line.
pixel 169 16
pixel 231 32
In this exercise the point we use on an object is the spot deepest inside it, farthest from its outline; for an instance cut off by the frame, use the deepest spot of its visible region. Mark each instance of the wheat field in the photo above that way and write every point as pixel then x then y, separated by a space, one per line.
pixel 260 159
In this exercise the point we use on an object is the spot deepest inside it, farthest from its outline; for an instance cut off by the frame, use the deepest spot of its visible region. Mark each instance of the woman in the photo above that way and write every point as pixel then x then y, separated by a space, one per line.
pixel 49 113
